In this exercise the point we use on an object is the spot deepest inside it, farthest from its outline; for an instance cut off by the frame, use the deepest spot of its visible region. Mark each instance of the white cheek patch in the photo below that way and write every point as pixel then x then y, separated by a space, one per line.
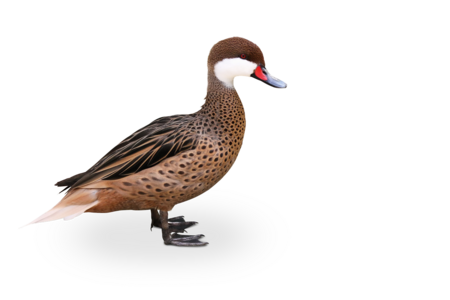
pixel 228 68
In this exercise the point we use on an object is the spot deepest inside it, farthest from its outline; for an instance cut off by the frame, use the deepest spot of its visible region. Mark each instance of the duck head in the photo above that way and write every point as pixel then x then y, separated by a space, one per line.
pixel 239 57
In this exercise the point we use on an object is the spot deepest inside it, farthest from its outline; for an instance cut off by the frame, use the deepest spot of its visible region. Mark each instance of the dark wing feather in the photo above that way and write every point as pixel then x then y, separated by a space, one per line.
pixel 69 181
pixel 163 138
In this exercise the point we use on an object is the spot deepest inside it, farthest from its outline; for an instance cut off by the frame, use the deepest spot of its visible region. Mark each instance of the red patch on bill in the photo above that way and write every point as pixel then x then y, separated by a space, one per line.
pixel 259 73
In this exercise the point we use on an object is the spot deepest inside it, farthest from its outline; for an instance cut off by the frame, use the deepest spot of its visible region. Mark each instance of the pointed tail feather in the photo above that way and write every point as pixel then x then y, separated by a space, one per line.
pixel 72 205
pixel 52 214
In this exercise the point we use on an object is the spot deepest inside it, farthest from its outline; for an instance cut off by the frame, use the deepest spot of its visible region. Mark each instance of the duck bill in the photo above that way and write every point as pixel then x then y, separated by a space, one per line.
pixel 261 73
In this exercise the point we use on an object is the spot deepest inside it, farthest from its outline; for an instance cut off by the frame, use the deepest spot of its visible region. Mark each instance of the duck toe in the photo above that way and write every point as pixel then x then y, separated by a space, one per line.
pixel 171 229
pixel 186 240
pixel 179 224
pixel 176 224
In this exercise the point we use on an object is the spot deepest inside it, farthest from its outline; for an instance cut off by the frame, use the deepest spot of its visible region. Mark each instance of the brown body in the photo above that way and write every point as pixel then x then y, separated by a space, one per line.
pixel 220 126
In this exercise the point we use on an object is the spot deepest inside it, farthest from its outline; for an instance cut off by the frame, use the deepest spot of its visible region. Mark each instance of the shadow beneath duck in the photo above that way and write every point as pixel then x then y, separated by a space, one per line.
pixel 172 229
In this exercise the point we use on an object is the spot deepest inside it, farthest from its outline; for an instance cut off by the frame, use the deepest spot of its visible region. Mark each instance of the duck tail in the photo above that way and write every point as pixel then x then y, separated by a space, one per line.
pixel 72 205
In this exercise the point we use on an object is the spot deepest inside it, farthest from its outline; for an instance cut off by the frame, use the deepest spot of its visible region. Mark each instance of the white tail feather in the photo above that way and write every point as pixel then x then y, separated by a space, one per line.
pixel 72 216
pixel 61 209
pixel 68 212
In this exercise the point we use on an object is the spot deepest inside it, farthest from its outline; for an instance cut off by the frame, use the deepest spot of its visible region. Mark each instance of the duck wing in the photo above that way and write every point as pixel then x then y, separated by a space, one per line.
pixel 161 139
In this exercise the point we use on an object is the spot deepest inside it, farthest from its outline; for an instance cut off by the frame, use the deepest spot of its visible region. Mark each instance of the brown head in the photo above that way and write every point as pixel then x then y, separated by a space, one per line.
pixel 235 47
pixel 238 56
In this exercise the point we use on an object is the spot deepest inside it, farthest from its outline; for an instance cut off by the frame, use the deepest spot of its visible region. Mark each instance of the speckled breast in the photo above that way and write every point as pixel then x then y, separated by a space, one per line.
pixel 220 128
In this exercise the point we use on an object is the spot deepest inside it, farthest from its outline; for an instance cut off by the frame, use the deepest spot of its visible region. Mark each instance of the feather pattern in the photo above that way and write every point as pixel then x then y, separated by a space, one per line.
pixel 74 203
pixel 161 139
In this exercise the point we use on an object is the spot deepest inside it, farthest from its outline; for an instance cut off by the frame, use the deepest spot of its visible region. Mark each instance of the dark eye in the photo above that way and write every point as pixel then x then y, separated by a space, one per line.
pixel 243 56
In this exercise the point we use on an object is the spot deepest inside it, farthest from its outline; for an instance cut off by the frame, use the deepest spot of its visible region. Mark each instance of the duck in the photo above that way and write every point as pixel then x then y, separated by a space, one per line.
pixel 173 159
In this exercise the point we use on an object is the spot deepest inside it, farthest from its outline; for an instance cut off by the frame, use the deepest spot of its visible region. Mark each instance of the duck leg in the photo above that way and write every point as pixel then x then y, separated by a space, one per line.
pixel 176 224
pixel 178 239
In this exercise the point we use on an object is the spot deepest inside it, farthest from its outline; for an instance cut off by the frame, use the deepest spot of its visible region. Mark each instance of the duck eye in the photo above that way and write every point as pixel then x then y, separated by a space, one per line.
pixel 243 56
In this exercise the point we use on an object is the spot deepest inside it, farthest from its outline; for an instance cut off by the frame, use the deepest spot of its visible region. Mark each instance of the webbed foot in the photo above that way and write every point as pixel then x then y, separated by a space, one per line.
pixel 185 240
pixel 171 227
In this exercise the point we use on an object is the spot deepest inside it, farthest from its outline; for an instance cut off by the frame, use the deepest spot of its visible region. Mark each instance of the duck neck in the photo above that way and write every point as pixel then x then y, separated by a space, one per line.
pixel 222 102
